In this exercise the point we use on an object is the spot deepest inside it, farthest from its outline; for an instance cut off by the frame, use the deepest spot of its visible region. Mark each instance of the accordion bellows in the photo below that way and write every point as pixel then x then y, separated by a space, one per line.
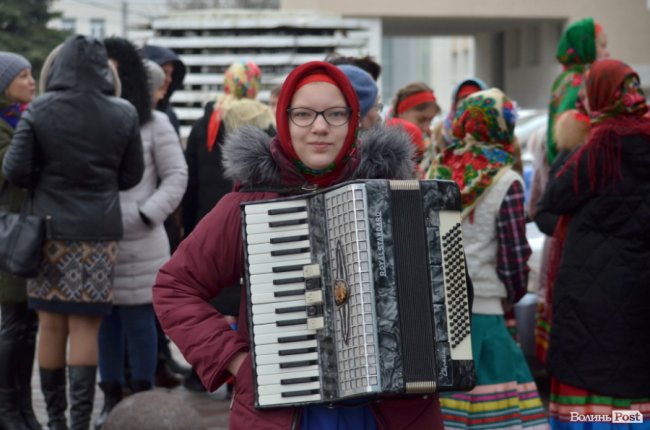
pixel 358 290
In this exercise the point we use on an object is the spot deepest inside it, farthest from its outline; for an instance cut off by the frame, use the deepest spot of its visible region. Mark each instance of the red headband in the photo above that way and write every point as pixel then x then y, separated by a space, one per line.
pixel 414 100
pixel 316 77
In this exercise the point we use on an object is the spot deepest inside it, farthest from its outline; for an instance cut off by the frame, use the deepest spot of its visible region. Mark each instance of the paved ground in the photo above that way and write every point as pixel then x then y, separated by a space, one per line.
pixel 211 406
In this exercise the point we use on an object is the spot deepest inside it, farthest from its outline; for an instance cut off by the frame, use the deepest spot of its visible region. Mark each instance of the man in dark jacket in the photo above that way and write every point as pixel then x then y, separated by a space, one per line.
pixel 174 76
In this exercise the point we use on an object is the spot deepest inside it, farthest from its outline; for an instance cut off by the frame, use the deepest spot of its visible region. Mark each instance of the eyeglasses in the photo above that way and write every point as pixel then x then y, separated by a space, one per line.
pixel 334 116
pixel 378 107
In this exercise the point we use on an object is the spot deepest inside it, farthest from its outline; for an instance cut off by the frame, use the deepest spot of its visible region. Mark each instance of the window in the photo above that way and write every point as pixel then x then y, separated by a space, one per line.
pixel 69 24
pixel 533 45
pixel 97 28
pixel 514 53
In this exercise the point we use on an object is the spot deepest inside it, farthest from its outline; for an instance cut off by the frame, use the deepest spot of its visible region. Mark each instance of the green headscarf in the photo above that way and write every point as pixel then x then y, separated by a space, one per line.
pixel 576 50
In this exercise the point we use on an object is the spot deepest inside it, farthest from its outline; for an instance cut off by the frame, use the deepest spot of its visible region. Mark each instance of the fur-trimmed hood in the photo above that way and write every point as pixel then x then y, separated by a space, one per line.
pixel 132 74
pixel 385 153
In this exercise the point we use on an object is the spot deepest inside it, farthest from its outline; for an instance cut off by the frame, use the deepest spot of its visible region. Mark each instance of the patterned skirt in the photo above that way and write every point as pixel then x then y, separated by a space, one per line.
pixel 573 408
pixel 505 396
pixel 75 277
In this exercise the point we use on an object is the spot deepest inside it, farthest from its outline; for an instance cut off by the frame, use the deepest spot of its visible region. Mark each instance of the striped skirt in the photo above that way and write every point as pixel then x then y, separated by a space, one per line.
pixel 506 396
pixel 573 408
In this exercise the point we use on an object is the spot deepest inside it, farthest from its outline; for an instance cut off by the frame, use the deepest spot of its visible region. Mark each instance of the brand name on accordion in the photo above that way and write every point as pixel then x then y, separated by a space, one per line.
pixel 379 231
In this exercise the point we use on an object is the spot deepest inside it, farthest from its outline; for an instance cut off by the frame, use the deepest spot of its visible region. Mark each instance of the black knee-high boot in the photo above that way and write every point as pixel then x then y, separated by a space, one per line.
pixel 10 416
pixel 25 366
pixel 53 384
pixel 12 330
pixel 82 395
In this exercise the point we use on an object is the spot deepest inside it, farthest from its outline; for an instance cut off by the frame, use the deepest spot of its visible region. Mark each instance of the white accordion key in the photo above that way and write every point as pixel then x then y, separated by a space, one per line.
pixel 289 359
pixel 278 378
pixel 275 348
pixel 286 389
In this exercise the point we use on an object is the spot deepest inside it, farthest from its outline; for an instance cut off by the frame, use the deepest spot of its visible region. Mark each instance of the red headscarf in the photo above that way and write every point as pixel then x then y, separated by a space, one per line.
pixel 616 106
pixel 282 148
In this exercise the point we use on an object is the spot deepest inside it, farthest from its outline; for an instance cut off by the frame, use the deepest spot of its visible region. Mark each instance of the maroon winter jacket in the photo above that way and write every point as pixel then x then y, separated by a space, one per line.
pixel 211 259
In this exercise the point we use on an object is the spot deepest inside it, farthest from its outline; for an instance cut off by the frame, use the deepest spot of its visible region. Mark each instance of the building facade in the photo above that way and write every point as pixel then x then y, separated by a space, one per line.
pixel 209 40
pixel 514 40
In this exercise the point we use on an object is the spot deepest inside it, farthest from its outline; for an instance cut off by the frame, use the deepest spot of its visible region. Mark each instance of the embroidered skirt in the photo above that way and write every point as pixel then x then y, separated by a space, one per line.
pixel 505 396
pixel 75 277
pixel 573 408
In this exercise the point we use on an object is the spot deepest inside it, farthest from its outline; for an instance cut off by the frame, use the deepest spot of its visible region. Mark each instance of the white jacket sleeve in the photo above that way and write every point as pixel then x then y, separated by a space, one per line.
pixel 171 169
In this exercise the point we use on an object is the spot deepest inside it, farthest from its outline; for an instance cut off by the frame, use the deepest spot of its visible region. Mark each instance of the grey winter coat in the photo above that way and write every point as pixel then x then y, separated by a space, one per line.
pixel 145 247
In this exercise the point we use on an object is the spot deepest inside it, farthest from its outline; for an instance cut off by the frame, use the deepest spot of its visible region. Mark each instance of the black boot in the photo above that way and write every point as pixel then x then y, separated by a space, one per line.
pixel 53 384
pixel 24 367
pixel 10 416
pixel 165 377
pixel 26 409
pixel 112 396
pixel 193 383
pixel 140 385
pixel 13 328
pixel 82 395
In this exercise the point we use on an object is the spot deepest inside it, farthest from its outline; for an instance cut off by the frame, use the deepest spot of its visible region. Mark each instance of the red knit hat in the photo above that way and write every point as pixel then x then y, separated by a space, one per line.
pixel 417 138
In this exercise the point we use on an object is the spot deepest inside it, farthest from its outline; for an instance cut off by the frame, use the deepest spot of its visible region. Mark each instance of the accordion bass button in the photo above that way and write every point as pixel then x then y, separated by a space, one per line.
pixel 314 297
pixel 311 271
pixel 315 323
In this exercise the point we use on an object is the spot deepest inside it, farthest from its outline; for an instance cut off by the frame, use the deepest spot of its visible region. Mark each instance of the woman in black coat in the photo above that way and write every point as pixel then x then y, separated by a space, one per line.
pixel 600 345
pixel 75 148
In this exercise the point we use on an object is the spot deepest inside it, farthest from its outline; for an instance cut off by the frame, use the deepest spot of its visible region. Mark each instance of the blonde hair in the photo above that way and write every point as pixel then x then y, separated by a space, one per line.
pixel 247 112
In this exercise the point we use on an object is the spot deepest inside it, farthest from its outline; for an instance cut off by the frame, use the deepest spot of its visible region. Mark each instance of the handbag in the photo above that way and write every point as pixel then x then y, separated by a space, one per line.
pixel 21 238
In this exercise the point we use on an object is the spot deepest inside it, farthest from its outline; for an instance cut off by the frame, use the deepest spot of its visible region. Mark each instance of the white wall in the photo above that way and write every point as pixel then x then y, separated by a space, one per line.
pixel 116 23
pixel 529 74
pixel 440 62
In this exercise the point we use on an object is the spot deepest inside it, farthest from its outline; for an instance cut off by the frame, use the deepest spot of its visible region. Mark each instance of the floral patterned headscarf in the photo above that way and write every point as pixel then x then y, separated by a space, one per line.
pixel 463 89
pixel 576 49
pixel 242 80
pixel 482 147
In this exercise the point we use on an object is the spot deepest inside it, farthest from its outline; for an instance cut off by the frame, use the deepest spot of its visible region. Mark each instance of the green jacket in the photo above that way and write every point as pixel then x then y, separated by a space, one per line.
pixel 12 288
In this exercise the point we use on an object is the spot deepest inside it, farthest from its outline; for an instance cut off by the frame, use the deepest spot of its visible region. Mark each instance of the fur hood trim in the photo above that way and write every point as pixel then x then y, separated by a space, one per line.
pixel 385 153
pixel 133 75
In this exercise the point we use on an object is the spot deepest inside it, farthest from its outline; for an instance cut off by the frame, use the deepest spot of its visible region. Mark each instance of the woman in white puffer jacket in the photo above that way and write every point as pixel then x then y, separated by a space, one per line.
pixel 130 329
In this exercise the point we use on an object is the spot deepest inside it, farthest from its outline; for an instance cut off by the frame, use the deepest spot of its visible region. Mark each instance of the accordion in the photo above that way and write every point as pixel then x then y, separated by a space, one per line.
pixel 358 290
